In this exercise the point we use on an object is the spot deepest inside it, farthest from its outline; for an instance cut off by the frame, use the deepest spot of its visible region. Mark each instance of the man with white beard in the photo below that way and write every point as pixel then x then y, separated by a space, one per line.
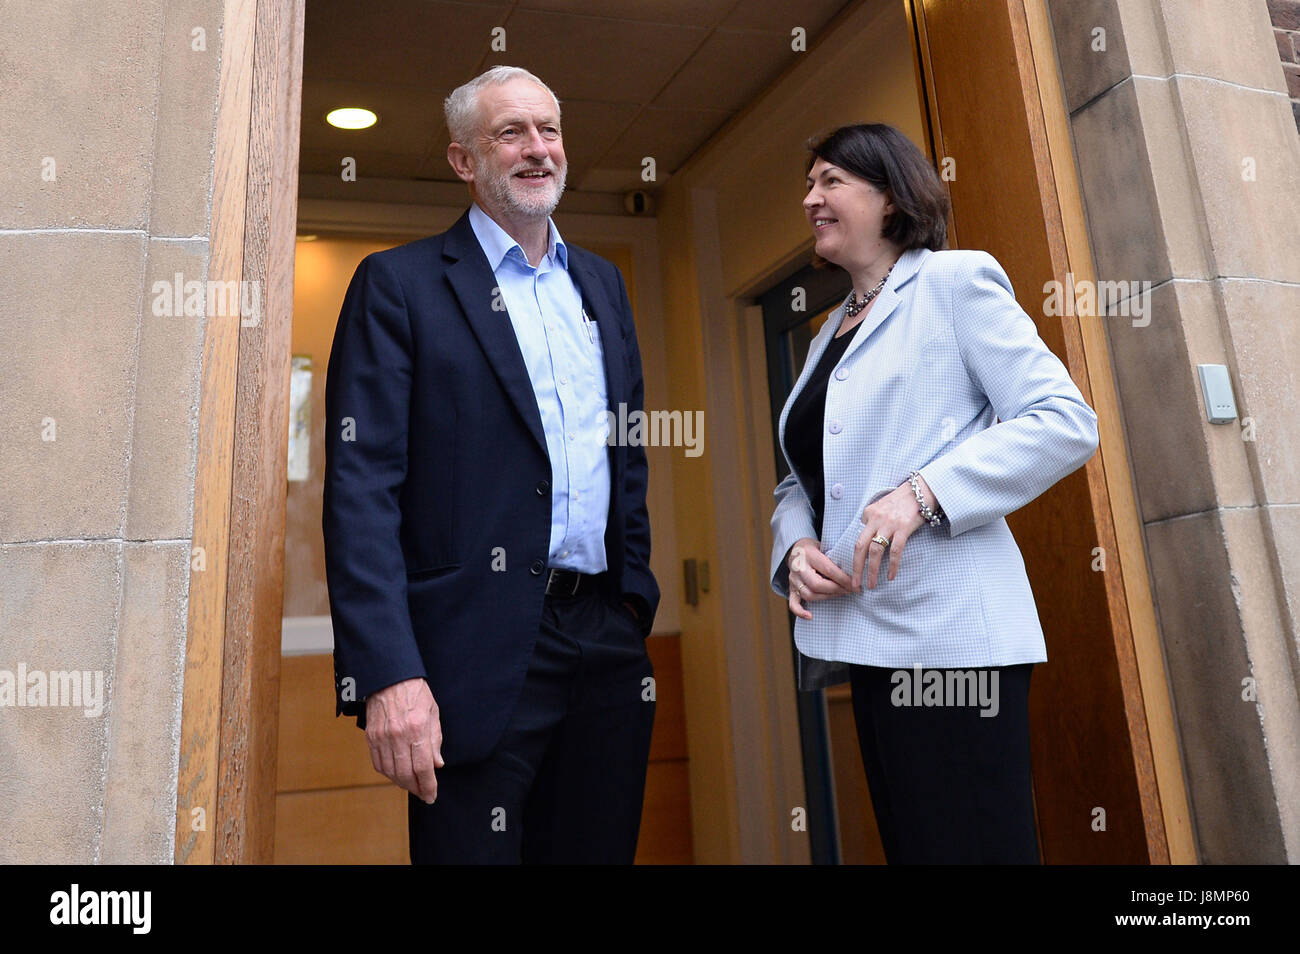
pixel 487 552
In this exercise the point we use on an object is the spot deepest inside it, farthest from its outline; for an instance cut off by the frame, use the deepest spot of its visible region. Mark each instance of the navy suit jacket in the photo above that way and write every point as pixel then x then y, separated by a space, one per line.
pixel 437 504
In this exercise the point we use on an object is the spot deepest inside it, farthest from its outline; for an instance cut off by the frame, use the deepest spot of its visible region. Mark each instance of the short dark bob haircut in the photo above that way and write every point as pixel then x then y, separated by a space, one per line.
pixel 892 163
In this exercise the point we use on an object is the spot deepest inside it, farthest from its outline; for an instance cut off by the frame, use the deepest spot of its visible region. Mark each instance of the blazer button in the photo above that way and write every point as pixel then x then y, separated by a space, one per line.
pixel 837 491
pixel 543 488
pixel 537 568
pixel 841 374
pixel 834 427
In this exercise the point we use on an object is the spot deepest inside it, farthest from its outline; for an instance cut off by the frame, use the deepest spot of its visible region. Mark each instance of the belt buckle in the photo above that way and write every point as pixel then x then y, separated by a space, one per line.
pixel 554 572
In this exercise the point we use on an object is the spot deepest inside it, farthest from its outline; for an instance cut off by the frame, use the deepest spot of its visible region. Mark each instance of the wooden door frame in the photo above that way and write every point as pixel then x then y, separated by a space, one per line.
pixel 225 785
pixel 1147 694
pixel 225 804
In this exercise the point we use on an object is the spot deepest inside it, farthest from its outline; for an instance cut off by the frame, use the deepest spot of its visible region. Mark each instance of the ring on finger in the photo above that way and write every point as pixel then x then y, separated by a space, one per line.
pixel 878 538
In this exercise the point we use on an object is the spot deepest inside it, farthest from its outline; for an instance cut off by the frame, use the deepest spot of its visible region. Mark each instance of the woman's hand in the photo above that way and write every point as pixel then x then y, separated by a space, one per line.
pixel 894 517
pixel 813 576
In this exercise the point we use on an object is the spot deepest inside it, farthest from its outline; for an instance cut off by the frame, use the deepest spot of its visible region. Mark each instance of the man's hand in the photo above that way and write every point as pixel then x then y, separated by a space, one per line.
pixel 813 576
pixel 405 736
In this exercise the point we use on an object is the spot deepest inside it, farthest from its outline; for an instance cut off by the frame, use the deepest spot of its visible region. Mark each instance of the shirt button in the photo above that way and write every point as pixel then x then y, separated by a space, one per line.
pixel 834 427
pixel 837 491
pixel 564 380
pixel 543 488
pixel 570 435
pixel 537 568
pixel 841 374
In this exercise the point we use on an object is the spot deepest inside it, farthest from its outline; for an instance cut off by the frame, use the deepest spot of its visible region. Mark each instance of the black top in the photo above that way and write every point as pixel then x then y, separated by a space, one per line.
pixel 806 421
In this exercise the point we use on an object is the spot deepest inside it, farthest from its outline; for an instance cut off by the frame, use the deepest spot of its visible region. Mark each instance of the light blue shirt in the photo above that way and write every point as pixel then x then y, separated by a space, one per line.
pixel 565 363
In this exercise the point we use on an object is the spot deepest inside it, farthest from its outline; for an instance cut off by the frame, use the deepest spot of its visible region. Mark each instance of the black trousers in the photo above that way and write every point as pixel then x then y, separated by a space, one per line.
pixel 948 784
pixel 566 782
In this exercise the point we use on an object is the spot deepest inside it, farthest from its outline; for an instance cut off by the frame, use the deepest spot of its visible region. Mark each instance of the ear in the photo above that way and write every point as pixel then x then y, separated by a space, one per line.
pixel 887 216
pixel 461 162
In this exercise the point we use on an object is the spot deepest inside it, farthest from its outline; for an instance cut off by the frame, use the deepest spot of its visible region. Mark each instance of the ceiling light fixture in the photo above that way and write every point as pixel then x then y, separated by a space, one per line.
pixel 351 117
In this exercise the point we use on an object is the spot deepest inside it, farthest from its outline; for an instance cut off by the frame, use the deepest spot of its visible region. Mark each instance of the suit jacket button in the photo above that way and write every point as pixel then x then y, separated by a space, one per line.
pixel 837 491
pixel 543 488
pixel 537 568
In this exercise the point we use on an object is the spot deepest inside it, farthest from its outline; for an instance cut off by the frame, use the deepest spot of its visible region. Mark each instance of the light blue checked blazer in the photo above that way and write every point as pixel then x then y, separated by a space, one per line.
pixel 947 376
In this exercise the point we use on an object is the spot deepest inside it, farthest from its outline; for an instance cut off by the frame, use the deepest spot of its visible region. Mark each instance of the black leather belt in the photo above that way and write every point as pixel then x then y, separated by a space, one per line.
pixel 569 583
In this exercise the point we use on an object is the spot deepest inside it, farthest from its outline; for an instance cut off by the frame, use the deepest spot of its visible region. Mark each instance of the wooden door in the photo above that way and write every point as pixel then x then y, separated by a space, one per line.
pixel 996 118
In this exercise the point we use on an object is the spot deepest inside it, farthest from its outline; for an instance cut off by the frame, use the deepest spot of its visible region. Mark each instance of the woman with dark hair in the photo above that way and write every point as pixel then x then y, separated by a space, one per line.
pixel 928 409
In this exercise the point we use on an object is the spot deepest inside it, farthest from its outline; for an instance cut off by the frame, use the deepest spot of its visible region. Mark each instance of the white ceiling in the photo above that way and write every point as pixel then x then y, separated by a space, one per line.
pixel 635 78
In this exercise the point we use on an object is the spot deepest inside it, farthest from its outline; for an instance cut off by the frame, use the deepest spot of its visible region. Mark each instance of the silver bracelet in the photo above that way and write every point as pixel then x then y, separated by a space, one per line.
pixel 932 517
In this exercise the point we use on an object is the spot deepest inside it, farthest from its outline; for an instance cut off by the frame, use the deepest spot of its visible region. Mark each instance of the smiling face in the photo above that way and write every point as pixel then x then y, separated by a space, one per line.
pixel 847 214
pixel 515 166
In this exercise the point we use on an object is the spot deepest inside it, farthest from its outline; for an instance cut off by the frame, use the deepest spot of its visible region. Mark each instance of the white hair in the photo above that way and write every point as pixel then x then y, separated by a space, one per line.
pixel 461 107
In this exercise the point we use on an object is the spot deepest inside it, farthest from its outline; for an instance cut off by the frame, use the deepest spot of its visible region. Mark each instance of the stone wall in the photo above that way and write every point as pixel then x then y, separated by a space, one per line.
pixel 108 125
pixel 1189 163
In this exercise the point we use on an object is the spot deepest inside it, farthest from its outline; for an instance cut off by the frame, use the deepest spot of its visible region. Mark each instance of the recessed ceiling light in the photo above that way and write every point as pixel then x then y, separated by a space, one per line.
pixel 351 117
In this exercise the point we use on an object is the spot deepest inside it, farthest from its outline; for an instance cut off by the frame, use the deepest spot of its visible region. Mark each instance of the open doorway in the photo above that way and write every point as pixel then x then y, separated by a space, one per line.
pixel 723 229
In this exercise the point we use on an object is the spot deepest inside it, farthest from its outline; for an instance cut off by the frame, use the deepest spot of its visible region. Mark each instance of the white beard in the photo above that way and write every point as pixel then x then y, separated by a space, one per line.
pixel 517 200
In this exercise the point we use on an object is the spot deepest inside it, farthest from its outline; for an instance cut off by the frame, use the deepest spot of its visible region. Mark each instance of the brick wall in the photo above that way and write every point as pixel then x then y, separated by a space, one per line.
pixel 1286 30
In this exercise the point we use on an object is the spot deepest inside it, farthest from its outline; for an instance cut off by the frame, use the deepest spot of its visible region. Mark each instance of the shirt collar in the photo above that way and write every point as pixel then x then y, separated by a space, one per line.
pixel 497 243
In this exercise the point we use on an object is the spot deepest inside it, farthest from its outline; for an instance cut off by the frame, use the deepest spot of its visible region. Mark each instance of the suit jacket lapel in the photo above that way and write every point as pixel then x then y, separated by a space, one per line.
pixel 603 312
pixel 475 286
pixel 904 270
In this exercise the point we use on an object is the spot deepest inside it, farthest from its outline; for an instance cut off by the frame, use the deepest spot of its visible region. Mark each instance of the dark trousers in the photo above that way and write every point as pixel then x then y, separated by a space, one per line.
pixel 566 782
pixel 948 785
